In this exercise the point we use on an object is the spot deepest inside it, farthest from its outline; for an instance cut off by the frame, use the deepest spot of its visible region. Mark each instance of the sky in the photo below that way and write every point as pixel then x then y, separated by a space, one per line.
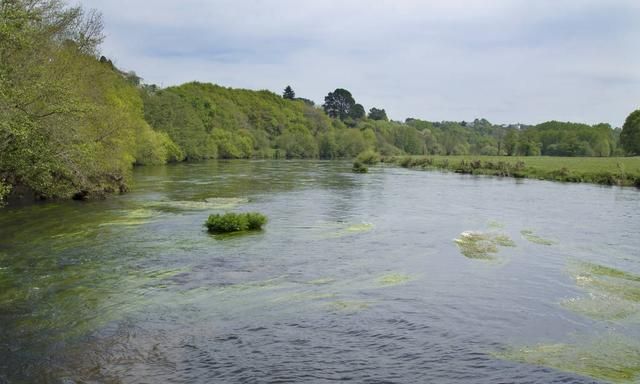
pixel 509 61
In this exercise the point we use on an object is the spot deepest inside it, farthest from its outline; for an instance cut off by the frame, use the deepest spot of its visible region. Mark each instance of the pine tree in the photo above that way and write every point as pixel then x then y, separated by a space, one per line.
pixel 289 93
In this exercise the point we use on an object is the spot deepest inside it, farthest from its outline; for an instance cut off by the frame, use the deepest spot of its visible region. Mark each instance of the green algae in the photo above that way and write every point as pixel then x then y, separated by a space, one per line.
pixel 358 228
pixel 504 241
pixel 482 245
pixel 216 203
pixel 349 306
pixel 530 236
pixel 613 358
pixel 602 307
pixel 132 217
pixel 321 281
pixel 392 279
pixel 613 294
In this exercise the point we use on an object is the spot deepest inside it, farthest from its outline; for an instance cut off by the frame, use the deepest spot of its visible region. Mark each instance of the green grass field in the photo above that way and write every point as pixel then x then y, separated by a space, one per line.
pixel 624 171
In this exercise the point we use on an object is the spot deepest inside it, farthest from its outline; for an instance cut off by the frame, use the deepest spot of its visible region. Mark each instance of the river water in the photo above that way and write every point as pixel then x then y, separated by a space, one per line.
pixel 355 277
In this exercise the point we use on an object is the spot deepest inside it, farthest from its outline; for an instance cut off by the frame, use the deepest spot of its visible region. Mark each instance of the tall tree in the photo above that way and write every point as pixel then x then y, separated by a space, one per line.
pixel 289 93
pixel 630 135
pixel 339 104
pixel 378 114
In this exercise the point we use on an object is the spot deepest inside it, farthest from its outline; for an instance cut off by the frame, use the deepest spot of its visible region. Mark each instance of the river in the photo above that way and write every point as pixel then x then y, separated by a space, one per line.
pixel 355 277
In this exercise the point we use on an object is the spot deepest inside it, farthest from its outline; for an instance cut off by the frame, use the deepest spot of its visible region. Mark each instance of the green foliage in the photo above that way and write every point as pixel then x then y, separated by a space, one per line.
pixel 378 114
pixel 630 135
pixel 71 126
pixel 341 104
pixel 235 222
pixel 368 157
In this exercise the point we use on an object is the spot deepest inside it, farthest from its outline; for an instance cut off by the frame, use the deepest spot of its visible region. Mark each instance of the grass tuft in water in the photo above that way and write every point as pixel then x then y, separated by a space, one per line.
pixel 235 222
pixel 532 237
pixel 612 358
pixel 481 245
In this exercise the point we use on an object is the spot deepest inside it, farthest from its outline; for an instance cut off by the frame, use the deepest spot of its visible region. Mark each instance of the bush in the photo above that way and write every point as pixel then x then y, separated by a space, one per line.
pixel 235 222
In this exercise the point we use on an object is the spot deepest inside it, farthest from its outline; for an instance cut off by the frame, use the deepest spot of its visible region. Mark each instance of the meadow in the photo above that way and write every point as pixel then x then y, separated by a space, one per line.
pixel 622 171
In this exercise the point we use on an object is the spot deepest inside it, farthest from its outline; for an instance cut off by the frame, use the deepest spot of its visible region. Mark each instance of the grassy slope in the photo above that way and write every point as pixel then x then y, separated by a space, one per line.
pixel 598 170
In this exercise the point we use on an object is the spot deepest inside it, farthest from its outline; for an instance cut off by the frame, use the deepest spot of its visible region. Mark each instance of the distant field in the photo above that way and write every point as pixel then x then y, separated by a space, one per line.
pixel 600 170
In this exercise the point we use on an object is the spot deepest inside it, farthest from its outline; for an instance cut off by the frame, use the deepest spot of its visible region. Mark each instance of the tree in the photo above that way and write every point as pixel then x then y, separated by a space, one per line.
pixel 289 93
pixel 630 135
pixel 357 112
pixel 339 104
pixel 378 114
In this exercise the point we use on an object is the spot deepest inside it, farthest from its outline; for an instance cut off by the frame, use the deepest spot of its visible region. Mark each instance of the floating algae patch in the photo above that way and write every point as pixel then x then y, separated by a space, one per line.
pixel 357 228
pixel 602 307
pixel 210 203
pixel 613 359
pixel 504 241
pixel 613 294
pixel 132 217
pixel 532 237
pixel 394 279
pixel 482 245
pixel 349 306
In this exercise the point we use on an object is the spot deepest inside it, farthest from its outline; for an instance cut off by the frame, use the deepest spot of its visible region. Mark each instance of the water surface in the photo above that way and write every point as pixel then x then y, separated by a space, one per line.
pixel 356 277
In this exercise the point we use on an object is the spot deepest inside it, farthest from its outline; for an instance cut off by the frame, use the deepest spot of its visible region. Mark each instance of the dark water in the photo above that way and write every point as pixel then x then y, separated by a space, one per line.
pixel 356 277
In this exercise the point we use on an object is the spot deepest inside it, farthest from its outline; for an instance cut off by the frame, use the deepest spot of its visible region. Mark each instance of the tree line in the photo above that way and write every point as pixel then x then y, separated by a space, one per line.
pixel 73 124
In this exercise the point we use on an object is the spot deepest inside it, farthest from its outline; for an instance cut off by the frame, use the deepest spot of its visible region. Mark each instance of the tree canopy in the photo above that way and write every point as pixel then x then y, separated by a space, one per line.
pixel 340 104
pixel 630 135
pixel 378 114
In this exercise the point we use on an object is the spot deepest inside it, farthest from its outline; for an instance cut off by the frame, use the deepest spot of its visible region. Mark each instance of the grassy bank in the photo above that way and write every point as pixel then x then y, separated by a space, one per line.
pixel 623 171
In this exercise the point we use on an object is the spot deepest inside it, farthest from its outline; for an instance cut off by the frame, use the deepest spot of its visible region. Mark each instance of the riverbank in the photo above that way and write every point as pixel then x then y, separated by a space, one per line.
pixel 622 171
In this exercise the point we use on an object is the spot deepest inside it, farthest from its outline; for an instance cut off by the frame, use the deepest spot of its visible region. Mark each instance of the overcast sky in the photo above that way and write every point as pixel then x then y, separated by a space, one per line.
pixel 505 60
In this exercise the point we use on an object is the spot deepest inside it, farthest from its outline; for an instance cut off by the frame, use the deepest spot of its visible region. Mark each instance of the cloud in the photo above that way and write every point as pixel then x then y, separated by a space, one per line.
pixel 505 60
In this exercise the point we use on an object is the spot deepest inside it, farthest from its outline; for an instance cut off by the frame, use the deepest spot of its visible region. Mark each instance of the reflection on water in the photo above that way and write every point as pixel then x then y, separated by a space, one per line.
pixel 355 277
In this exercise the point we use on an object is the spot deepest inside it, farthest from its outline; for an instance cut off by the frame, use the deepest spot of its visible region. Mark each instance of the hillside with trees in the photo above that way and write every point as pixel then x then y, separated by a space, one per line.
pixel 74 125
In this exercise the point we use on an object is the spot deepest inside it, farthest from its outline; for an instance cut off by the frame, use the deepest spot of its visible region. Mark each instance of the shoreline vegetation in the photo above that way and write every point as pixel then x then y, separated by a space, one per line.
pixel 74 124
pixel 620 171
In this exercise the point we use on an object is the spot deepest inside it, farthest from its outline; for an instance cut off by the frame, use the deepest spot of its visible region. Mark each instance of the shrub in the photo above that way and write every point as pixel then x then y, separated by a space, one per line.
pixel 235 222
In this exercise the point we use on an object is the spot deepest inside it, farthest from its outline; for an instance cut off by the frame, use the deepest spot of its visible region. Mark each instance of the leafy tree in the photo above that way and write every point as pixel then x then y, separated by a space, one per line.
pixel 340 104
pixel 357 112
pixel 630 135
pixel 378 114
pixel 289 93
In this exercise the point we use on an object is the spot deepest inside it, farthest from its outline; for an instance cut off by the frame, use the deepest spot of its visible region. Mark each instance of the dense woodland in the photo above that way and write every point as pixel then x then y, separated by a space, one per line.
pixel 74 125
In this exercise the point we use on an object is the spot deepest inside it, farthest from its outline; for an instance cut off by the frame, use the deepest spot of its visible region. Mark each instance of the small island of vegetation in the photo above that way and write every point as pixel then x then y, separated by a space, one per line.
pixel 235 222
